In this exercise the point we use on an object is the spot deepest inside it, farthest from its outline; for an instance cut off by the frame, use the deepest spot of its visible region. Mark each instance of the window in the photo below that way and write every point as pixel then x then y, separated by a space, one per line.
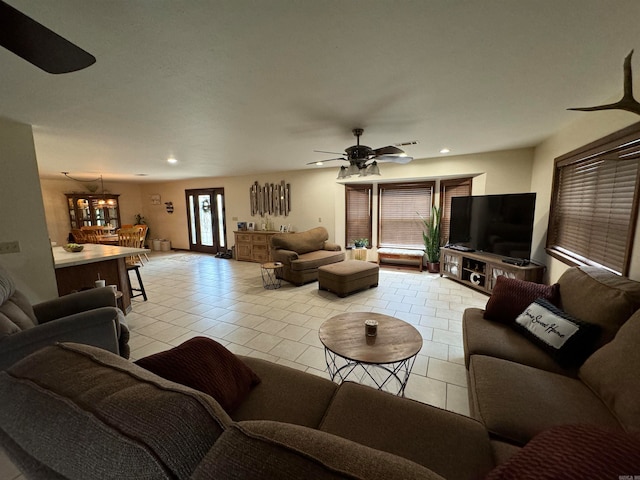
pixel 358 212
pixel 401 205
pixel 594 202
pixel 458 187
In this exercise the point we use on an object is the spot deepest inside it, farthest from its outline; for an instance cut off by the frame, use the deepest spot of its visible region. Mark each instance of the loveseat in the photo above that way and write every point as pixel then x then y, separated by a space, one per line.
pixel 302 253
pixel 517 388
pixel 90 316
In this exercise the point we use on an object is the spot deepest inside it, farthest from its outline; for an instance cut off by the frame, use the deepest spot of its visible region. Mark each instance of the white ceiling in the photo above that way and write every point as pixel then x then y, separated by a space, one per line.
pixel 239 87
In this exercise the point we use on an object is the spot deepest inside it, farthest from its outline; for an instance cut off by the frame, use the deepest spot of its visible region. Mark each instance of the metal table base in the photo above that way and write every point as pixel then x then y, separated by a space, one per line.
pixel 270 279
pixel 397 372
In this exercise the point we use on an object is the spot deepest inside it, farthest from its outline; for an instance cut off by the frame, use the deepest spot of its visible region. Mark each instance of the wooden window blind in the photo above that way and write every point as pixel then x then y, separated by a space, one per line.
pixel 594 203
pixel 458 187
pixel 358 200
pixel 401 205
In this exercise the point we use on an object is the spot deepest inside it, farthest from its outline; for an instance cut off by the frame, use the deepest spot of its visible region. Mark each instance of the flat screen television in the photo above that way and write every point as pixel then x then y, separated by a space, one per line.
pixel 499 224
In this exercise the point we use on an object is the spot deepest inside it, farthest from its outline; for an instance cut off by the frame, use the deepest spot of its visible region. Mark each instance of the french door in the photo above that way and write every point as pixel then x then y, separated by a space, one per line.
pixel 205 213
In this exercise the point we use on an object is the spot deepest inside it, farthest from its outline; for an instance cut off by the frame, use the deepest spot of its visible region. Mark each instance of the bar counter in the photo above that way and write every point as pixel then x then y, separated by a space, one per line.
pixel 77 271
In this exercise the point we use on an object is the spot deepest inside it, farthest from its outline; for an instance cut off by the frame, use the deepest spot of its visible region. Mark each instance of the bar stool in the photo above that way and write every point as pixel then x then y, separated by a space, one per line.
pixel 130 237
pixel 143 293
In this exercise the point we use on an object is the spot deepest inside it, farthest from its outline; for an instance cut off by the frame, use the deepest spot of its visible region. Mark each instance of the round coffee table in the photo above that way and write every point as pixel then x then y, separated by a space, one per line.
pixel 380 361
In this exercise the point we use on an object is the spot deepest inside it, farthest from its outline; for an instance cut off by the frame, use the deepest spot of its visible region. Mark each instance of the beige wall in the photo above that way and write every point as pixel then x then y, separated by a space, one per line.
pixel 313 194
pixel 586 128
pixel 318 199
pixel 57 213
pixel 22 214
pixel 507 171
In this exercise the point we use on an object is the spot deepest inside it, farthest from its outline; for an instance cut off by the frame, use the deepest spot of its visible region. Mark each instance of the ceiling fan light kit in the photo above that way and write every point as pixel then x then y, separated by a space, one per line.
pixel 373 169
pixel 353 170
pixel 363 160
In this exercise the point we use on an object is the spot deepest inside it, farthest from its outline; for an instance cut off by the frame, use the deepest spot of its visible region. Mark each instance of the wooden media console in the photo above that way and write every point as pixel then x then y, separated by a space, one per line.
pixel 480 270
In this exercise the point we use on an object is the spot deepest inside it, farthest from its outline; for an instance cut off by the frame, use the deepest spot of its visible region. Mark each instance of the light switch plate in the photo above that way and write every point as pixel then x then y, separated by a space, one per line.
pixel 9 247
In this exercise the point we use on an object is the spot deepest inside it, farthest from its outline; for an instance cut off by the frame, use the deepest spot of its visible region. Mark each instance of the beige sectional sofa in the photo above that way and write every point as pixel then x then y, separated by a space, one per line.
pixel 302 253
pixel 517 390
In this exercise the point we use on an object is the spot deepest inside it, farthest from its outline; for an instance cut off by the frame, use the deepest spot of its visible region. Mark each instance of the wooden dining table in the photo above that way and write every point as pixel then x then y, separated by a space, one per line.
pixel 109 239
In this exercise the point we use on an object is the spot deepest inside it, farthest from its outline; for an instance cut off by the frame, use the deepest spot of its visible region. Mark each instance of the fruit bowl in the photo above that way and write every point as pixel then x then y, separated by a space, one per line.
pixel 73 247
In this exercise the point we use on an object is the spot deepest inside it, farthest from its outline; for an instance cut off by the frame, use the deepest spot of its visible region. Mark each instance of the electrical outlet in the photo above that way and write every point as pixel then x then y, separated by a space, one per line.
pixel 235 219
pixel 9 247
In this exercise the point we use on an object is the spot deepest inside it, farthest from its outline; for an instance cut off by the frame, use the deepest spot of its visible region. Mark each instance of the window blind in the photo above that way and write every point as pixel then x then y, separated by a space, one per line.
pixel 594 205
pixel 358 212
pixel 458 187
pixel 401 205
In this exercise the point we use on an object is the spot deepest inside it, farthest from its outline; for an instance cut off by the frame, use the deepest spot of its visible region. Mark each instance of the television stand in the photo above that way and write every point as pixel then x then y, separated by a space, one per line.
pixel 480 270
pixel 461 248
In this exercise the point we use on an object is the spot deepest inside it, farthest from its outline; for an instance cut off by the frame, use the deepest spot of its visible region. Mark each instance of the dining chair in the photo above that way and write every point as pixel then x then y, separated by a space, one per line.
pixel 143 235
pixel 79 236
pixel 93 232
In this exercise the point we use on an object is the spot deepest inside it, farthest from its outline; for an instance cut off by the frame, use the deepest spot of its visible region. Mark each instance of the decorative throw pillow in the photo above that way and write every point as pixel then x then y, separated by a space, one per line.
pixel 511 296
pixel 203 364
pixel 573 451
pixel 568 340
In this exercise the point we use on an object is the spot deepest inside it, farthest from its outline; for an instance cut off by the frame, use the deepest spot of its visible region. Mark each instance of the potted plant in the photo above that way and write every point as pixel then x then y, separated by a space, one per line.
pixel 431 237
pixel 361 242
pixel 360 250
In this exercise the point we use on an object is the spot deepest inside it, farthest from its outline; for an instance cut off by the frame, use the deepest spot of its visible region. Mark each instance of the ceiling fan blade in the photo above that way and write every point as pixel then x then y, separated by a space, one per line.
pixel 393 158
pixel 332 153
pixel 388 150
pixel 320 162
pixel 38 45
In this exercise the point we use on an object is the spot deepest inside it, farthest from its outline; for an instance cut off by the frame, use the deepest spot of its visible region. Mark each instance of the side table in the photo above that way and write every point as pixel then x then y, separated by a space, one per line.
pixel 270 279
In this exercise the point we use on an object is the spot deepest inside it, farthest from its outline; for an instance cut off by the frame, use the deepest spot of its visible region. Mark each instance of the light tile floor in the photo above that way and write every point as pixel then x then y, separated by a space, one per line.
pixel 191 294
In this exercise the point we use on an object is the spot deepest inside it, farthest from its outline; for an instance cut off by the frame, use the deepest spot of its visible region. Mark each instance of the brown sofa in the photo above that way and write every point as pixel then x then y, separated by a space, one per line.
pixel 517 390
pixel 302 253
pixel 75 411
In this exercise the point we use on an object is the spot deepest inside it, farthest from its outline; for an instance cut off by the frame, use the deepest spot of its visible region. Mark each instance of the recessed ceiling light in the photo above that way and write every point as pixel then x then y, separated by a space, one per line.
pixel 172 160
pixel 444 150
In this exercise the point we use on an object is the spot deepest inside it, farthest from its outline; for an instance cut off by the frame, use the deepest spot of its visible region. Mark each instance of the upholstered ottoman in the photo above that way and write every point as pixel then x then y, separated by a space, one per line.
pixel 346 277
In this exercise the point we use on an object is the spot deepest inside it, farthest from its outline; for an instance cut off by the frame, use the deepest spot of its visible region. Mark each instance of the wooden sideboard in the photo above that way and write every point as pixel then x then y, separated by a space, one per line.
pixel 254 246
pixel 480 270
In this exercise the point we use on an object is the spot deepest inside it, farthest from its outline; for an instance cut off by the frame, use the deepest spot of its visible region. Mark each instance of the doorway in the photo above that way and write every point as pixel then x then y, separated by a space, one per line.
pixel 205 214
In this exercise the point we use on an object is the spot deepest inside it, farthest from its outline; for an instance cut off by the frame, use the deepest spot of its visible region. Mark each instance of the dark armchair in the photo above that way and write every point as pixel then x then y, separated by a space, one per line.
pixel 90 317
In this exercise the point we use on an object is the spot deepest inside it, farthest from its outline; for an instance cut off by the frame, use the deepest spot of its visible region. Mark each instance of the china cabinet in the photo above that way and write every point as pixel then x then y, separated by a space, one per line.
pixel 93 210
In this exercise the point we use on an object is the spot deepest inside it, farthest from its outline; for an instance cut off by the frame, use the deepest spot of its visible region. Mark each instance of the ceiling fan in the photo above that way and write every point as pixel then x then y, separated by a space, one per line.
pixel 38 45
pixel 363 160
